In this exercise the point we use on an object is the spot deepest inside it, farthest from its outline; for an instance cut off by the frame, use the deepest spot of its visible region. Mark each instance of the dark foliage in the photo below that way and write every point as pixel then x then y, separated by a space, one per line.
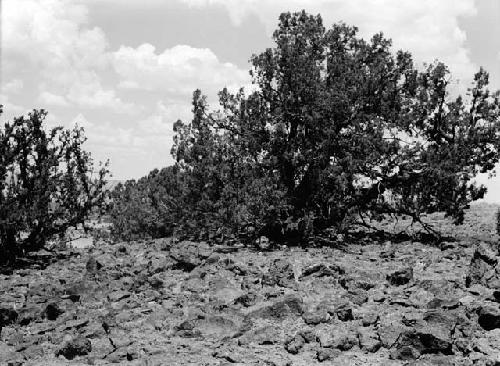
pixel 338 129
pixel 47 184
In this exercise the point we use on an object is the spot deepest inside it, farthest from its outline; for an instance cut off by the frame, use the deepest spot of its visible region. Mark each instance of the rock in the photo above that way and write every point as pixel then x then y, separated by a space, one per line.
pixel 341 338
pixel 325 354
pixel 52 311
pixel 7 317
pixel 116 296
pixel 401 277
pixel 295 344
pixel 322 270
pixel 280 273
pixel 316 317
pixel 368 340
pixel 344 312
pixel 267 335
pixel 93 265
pixel 369 318
pixel 489 317
pixel 483 268
pixel 78 346
pixel 357 296
pixel 189 255
pixel 290 305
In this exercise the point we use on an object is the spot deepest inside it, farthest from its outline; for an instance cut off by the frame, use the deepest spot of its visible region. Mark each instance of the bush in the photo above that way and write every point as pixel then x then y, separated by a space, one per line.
pixel 148 208
pixel 47 184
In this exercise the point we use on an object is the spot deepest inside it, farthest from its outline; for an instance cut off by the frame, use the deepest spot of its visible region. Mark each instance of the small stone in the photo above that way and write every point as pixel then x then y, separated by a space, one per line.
pixel 78 346
pixel 325 354
pixel 368 340
pixel 344 313
pixel 401 277
pixel 489 317
pixel 316 317
pixel 52 311
pixel 295 344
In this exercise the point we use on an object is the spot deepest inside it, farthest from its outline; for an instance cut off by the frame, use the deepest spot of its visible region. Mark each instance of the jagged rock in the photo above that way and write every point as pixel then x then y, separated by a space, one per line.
pixel 322 270
pixel 368 340
pixel 295 344
pixel 344 312
pixel 189 255
pixel 316 317
pixel 280 273
pixel 93 265
pixel 483 268
pixel 341 338
pixel 78 346
pixel 290 305
pixel 52 311
pixel 7 317
pixel 400 277
pixel 489 316
pixel 263 336
pixel 325 354
pixel 357 296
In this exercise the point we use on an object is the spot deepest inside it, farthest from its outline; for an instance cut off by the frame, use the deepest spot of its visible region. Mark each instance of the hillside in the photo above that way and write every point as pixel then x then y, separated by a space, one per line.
pixel 166 303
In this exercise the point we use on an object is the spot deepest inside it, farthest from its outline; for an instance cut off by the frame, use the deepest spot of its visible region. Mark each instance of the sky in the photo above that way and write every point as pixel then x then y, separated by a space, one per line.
pixel 125 70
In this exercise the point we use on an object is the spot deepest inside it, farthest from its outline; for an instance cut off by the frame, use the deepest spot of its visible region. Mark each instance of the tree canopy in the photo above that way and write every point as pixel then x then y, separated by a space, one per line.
pixel 338 128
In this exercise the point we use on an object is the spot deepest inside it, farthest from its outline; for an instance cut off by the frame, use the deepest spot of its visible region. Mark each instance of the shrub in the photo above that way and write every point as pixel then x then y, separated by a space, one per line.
pixel 47 183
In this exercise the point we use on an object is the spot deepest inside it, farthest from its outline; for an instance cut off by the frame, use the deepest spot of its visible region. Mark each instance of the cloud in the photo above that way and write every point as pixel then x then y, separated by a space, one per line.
pixel 13 86
pixel 179 69
pixel 135 150
pixel 53 41
pixel 427 28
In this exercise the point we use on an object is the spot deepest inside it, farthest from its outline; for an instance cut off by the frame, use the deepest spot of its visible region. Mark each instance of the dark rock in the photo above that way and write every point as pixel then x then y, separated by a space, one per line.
pixel 189 255
pixel 489 317
pixel 93 265
pixel 290 305
pixel 401 277
pixel 7 317
pixel 482 269
pixel 322 270
pixel 295 344
pixel 280 273
pixel 78 346
pixel 344 312
pixel 52 311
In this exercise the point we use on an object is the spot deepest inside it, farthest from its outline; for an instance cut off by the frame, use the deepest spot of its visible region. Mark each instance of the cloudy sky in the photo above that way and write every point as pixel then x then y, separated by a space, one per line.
pixel 126 69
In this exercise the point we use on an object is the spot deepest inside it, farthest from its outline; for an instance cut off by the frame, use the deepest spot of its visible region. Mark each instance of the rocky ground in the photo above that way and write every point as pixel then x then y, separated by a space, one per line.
pixel 166 303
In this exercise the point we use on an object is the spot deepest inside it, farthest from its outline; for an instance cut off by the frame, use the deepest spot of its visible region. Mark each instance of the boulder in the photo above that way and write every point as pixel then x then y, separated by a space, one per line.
pixel 78 346
pixel 189 255
pixel 400 277
pixel 484 269
pixel 489 316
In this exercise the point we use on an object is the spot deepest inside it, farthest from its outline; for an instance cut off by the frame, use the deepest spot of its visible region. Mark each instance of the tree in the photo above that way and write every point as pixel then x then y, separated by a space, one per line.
pixel 337 130
pixel 47 183
pixel 148 208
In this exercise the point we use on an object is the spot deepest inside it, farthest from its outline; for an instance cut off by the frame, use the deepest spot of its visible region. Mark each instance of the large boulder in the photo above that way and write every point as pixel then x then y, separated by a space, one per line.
pixel 189 255
pixel 484 269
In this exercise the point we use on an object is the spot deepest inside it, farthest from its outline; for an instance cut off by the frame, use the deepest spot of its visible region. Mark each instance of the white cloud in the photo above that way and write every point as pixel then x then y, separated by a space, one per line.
pixel 48 98
pixel 427 28
pixel 179 69
pixel 52 39
pixel 13 86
